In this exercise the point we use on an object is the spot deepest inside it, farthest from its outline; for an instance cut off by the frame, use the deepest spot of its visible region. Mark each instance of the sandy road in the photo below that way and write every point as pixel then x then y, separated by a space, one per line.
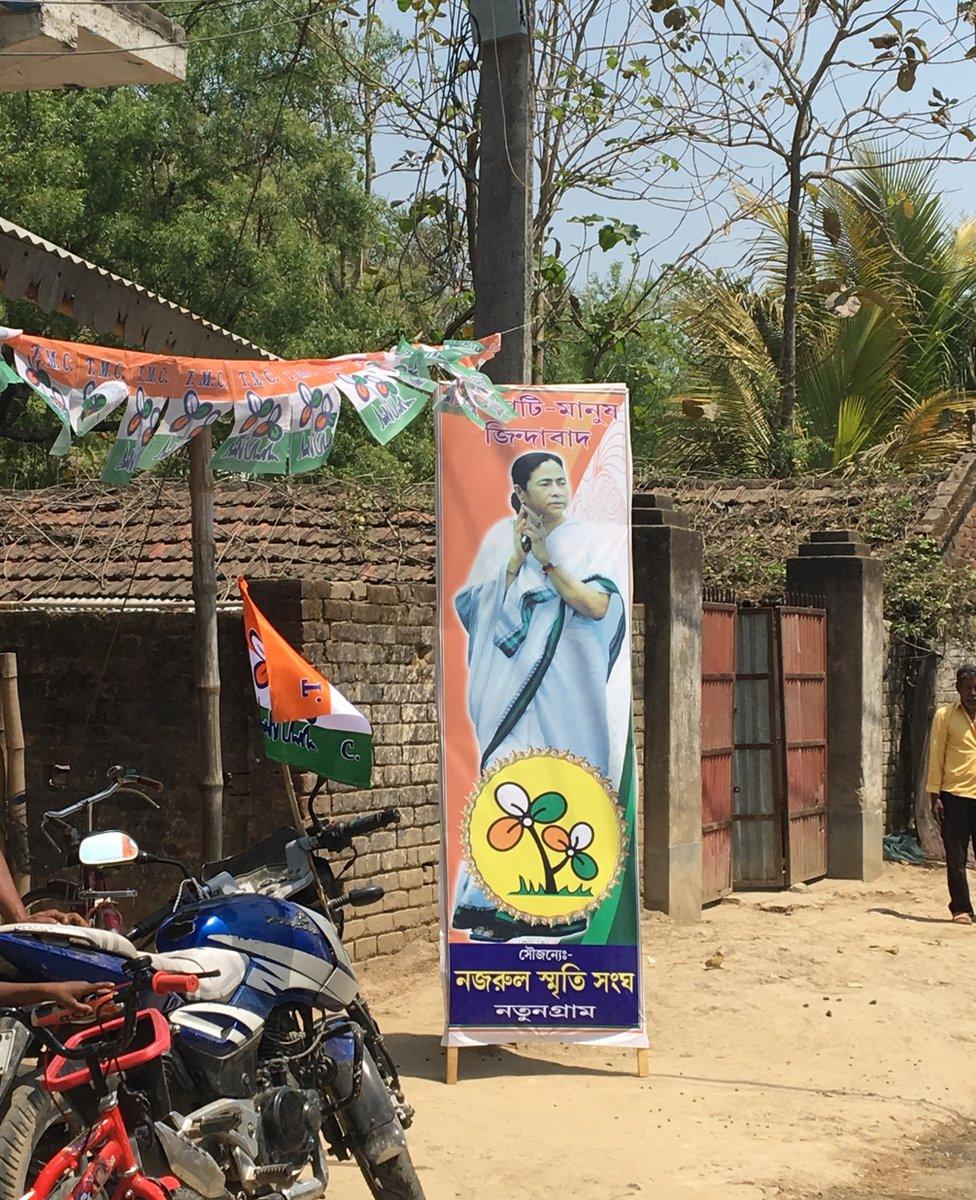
pixel 830 1055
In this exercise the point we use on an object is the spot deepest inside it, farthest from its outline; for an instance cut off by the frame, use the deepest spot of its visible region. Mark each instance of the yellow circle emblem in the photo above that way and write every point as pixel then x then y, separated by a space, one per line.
pixel 544 836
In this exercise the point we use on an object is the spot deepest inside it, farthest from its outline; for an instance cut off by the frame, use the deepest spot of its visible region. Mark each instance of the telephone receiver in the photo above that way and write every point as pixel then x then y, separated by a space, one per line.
pixel 525 542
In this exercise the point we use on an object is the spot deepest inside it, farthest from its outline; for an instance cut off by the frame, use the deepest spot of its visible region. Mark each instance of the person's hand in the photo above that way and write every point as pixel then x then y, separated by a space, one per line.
pixel 537 532
pixel 75 997
pixel 54 916
pixel 938 810
pixel 518 554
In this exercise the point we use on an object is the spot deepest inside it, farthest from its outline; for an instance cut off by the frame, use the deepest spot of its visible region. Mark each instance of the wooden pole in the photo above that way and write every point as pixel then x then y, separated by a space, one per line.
pixel 3 783
pixel 15 806
pixel 206 664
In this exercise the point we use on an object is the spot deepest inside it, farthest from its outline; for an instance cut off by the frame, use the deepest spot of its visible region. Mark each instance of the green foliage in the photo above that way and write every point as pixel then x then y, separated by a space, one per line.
pixel 885 336
pixel 745 565
pixel 155 183
pixel 927 597
pixel 617 331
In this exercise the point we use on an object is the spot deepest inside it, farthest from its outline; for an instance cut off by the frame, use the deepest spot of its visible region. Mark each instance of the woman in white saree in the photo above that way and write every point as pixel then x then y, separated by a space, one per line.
pixel 545 622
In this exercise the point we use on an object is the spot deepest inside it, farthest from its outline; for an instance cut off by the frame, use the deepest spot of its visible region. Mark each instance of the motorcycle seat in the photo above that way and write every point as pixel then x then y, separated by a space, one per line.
pixel 225 968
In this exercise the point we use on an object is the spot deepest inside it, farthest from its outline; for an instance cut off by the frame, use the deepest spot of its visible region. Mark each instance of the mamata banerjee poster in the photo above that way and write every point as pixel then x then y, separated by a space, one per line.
pixel 540 932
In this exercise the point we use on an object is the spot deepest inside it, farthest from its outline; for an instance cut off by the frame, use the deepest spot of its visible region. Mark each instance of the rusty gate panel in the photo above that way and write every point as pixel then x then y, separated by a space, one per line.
pixel 717 701
pixel 757 855
pixel 802 638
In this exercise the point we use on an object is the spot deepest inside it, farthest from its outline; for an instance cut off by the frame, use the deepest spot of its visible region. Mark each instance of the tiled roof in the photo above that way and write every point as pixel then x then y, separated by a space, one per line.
pixel 95 545
pixel 92 543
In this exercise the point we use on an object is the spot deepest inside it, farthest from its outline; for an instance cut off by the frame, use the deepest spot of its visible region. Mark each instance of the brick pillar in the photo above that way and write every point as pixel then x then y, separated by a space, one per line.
pixel 668 582
pixel 843 571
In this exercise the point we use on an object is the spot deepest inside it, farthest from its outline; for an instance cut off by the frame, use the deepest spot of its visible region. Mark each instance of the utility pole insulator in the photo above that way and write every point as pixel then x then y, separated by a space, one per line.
pixel 497 19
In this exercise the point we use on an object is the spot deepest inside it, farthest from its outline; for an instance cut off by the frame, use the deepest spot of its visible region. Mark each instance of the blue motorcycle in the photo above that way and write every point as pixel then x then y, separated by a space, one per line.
pixel 276 1052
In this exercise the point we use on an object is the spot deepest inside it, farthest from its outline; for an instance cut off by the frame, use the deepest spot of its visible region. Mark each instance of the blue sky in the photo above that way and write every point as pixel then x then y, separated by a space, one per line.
pixel 670 232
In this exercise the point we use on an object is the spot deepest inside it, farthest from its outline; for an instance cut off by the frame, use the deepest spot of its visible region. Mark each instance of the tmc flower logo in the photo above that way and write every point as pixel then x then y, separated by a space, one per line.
pixel 524 817
pixel 145 418
pixel 573 845
pixel 317 407
pixel 264 419
pixel 198 414
pixel 259 661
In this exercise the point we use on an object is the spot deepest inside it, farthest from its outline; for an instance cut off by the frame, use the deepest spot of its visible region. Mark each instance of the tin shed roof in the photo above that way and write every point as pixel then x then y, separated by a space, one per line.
pixel 58 281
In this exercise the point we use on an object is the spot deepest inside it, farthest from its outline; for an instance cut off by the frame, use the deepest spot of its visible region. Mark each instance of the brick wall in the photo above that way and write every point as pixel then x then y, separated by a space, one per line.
pixel 141 715
pixel 891 730
pixel 376 644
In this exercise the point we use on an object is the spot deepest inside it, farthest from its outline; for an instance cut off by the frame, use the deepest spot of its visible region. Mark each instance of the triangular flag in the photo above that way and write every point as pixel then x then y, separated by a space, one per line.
pixel 308 723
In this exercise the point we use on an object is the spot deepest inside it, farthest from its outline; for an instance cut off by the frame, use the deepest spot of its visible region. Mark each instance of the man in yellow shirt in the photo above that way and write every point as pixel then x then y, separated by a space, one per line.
pixel 952 786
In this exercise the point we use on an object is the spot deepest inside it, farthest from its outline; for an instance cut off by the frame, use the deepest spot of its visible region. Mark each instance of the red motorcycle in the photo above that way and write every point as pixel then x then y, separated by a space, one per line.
pixel 107 1073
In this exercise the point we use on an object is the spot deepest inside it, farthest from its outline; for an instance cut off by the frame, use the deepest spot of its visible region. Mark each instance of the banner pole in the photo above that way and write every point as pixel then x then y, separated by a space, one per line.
pixel 15 807
pixel 296 813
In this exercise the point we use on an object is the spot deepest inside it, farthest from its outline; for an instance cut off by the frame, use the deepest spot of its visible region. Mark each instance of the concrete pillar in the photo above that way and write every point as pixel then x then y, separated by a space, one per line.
pixel 668 582
pixel 842 570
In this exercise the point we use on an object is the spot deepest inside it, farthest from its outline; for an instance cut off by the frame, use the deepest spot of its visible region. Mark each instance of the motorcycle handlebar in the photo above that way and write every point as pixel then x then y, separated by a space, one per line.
pixel 165 983
pixel 148 925
pixel 339 834
pixel 122 780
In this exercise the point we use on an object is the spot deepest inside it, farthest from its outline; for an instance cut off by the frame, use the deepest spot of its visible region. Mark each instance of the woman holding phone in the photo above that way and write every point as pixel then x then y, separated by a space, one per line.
pixel 545 623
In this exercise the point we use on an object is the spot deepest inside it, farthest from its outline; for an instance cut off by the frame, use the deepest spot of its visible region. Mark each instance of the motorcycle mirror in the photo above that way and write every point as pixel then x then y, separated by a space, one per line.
pixel 359 897
pixel 107 849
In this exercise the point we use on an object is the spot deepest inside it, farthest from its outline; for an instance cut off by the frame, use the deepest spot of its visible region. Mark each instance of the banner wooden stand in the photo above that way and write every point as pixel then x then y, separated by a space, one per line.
pixel 452 1054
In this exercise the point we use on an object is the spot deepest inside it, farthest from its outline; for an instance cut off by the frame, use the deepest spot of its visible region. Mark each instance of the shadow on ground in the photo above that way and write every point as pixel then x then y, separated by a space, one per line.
pixel 422 1056
pixel 893 912
pixel 943 1168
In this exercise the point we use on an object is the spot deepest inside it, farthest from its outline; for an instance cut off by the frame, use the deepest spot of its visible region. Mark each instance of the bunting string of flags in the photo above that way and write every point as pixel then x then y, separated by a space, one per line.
pixel 284 412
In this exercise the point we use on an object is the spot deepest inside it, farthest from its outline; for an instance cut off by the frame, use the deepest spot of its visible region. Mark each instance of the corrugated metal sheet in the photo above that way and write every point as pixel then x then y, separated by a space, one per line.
pixel 757 853
pixel 752 711
pixel 58 281
pixel 752 643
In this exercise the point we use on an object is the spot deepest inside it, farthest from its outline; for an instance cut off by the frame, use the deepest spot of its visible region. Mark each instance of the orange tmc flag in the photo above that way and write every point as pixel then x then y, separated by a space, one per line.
pixel 298 692
pixel 307 722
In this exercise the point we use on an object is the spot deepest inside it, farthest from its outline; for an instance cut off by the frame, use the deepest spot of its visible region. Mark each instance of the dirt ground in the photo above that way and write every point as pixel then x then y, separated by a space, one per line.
pixel 830 1055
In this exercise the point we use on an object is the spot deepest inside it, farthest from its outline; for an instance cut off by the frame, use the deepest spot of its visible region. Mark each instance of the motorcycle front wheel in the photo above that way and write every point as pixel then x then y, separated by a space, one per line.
pixel 394 1179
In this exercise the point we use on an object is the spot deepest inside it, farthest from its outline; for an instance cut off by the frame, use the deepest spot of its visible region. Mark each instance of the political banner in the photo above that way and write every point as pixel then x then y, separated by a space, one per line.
pixel 539 894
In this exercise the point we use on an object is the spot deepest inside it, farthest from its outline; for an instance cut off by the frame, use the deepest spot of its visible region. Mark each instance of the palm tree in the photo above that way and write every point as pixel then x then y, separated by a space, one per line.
pixel 886 327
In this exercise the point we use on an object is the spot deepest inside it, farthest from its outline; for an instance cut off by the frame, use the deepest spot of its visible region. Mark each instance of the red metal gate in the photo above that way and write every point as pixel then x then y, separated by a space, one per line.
pixel 802 636
pixel 717 705
pixel 779 810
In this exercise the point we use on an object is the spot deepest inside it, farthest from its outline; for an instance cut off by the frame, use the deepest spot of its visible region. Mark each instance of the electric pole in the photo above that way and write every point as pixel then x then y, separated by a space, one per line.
pixel 503 266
